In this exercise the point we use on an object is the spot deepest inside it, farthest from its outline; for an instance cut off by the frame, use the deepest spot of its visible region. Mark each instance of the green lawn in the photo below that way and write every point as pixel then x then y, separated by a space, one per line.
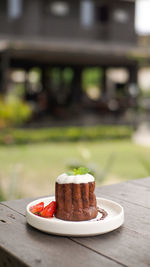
pixel 35 167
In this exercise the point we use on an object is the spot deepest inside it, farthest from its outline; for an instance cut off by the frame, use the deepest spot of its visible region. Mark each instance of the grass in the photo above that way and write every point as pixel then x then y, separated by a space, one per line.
pixel 36 166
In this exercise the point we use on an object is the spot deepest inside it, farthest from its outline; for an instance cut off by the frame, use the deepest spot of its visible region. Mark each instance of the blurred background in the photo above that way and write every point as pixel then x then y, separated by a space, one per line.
pixel 74 91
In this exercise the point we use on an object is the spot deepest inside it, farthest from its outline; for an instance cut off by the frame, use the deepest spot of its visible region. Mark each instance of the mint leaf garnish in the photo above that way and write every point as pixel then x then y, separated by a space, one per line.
pixel 81 170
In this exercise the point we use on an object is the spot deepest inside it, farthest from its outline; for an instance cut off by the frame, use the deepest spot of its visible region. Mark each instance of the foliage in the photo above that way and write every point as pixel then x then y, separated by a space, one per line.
pixel 23 136
pixel 92 76
pixel 13 111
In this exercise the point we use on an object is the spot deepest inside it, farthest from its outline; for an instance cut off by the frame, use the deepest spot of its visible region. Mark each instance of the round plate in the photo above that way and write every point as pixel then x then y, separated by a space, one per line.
pixel 114 219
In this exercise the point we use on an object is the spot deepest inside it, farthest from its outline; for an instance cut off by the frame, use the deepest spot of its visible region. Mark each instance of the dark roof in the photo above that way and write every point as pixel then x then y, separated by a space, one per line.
pixel 73 52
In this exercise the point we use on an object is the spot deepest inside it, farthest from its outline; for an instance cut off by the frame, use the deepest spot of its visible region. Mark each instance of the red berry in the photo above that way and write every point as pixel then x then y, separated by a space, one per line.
pixel 36 209
pixel 49 210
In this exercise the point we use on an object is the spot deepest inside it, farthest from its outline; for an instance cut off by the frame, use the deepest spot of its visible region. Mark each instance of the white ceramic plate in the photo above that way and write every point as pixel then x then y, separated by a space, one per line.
pixel 114 220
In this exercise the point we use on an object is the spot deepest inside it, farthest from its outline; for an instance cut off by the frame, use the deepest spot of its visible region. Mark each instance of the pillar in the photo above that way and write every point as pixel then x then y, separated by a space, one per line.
pixel 4 72
pixel 133 80
pixel 76 87
pixel 104 82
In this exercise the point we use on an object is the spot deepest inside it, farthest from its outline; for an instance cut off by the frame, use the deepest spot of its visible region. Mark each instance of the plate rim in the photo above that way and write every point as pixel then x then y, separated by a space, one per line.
pixel 74 222
pixel 54 221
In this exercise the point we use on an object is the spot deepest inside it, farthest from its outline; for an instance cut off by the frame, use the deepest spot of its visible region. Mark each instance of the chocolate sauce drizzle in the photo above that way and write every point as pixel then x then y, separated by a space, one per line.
pixel 103 212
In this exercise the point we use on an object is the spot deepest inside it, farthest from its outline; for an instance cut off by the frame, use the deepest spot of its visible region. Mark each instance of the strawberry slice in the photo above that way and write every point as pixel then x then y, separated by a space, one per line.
pixel 36 209
pixel 49 210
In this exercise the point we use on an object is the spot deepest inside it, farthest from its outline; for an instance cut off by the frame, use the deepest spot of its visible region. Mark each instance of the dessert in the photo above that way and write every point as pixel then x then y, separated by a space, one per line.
pixel 75 197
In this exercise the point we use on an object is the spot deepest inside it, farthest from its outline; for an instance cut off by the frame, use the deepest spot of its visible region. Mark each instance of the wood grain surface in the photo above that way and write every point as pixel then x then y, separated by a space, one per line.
pixel 22 245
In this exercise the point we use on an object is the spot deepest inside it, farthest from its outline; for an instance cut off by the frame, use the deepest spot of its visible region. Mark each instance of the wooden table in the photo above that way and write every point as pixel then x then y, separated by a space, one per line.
pixel 22 245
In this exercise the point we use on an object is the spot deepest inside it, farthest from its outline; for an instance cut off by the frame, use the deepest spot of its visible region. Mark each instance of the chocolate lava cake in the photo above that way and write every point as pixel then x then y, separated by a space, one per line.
pixel 75 197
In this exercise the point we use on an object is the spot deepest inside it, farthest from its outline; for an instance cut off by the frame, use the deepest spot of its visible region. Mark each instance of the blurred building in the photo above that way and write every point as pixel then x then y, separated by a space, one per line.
pixel 73 34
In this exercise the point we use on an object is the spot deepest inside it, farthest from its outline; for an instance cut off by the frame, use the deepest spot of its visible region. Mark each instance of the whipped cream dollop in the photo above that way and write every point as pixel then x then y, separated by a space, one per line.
pixel 74 179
